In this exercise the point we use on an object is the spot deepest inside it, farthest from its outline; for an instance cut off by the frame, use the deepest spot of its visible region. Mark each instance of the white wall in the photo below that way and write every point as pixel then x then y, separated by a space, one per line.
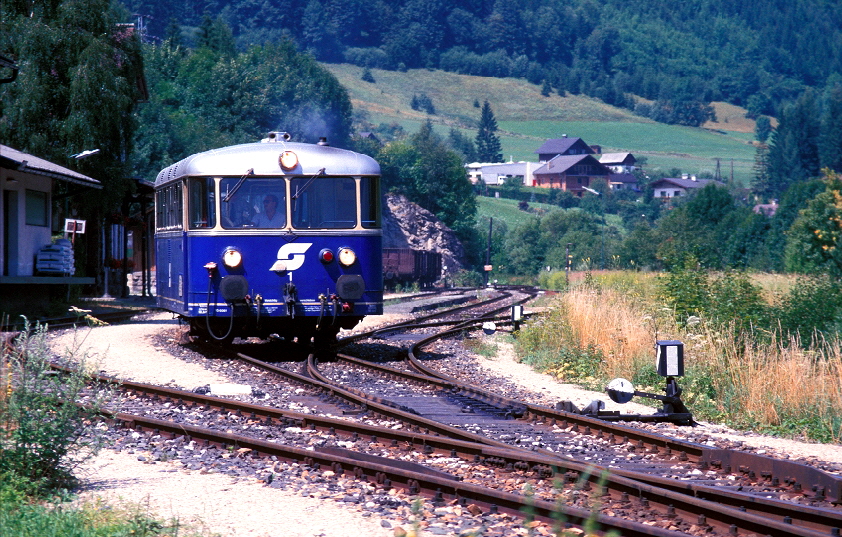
pixel 29 238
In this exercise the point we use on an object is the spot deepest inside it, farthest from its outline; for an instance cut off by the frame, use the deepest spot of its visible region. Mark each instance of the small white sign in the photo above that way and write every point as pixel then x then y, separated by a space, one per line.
pixel 74 226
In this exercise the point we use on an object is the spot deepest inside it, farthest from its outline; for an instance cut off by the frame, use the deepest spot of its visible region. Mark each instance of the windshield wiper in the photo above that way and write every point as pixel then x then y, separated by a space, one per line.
pixel 234 190
pixel 303 188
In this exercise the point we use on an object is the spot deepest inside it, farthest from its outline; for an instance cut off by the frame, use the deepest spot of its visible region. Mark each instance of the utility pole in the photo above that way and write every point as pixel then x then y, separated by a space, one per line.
pixel 488 254
pixel 567 264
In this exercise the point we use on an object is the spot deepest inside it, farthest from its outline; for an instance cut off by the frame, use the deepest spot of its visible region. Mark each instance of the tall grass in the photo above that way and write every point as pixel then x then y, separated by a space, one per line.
pixel 608 328
pixel 43 437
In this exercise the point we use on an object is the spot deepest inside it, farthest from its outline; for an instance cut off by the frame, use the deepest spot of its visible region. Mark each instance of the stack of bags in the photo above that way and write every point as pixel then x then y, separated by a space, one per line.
pixel 56 258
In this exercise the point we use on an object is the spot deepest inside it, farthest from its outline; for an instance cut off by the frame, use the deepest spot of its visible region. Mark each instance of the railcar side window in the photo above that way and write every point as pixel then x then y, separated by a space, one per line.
pixel 370 202
pixel 202 205
pixel 253 203
pixel 324 203
pixel 168 208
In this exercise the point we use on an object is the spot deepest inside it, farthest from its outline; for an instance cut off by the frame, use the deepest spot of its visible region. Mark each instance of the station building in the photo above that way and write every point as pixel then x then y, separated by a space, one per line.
pixel 33 266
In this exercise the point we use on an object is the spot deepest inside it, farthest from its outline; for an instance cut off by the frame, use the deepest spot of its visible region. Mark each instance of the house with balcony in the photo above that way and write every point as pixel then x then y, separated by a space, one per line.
pixel 671 187
pixel 573 173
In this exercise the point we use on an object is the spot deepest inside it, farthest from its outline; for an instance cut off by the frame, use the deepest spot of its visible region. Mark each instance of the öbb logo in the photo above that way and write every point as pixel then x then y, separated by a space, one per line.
pixel 291 256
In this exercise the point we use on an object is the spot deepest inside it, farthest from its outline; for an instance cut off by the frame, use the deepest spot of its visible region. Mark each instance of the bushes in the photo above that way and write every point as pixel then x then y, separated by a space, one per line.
pixel 744 378
pixel 43 435
pixel 811 305
pixel 729 298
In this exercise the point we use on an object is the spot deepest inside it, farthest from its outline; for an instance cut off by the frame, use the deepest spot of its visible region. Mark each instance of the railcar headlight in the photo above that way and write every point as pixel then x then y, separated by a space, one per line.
pixel 232 258
pixel 288 160
pixel 347 257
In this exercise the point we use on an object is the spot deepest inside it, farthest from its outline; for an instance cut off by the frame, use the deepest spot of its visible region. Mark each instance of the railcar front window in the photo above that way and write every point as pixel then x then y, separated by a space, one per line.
pixel 370 202
pixel 202 204
pixel 257 203
pixel 324 203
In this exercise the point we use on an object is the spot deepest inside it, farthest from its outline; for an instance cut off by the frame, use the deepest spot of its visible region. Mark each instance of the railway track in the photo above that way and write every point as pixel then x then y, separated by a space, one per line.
pixel 614 490
pixel 646 499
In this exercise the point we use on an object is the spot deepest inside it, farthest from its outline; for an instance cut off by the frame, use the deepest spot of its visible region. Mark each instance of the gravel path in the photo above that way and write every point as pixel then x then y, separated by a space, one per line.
pixel 221 505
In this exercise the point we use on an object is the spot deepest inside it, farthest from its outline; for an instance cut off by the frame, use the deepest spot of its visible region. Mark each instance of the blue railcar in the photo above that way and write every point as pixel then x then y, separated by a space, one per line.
pixel 270 238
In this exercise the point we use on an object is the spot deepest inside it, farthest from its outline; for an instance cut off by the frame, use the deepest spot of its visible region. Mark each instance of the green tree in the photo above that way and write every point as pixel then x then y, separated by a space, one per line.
pixel 462 145
pixel 793 201
pixel 814 241
pixel 203 99
pixel 794 149
pixel 760 185
pixel 76 90
pixel 524 248
pixel 487 141
pixel 546 88
pixel 762 128
pixel 216 35
pixel 830 139
pixel 428 173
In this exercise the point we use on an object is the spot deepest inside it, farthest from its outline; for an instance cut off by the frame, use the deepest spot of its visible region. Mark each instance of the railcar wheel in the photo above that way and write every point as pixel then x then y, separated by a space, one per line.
pixel 325 338
pixel 199 333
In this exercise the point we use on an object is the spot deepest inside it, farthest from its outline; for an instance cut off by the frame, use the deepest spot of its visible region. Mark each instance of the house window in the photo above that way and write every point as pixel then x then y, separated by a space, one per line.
pixel 37 210
pixel 677 193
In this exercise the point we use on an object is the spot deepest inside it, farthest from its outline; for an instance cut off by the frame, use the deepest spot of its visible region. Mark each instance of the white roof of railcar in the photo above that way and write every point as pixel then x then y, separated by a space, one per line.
pixel 237 160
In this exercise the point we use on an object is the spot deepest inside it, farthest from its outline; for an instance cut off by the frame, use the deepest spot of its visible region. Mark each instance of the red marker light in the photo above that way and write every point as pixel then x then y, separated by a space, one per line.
pixel 326 256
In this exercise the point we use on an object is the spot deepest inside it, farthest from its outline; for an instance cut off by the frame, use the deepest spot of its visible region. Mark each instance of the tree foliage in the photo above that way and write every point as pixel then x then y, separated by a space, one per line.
pixel 205 98
pixel 77 88
pixel 758 55
pixel 813 242
pixel 487 141
pixel 429 173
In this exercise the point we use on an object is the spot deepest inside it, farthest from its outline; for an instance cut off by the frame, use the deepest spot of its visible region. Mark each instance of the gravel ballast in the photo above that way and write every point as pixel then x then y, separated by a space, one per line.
pixel 238 507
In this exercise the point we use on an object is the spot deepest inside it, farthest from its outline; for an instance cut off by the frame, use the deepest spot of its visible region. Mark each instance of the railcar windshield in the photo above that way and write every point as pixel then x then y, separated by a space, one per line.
pixel 256 203
pixel 202 203
pixel 324 202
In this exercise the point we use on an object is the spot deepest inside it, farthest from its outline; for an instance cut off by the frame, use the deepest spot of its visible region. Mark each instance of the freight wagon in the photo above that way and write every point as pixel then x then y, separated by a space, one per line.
pixel 405 265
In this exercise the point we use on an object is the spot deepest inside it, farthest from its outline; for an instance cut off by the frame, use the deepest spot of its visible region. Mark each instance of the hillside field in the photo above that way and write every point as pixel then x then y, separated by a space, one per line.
pixel 506 210
pixel 526 118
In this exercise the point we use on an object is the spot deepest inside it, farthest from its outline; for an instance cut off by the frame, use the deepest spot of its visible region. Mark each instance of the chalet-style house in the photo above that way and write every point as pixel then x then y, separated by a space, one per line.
pixel 669 187
pixel 619 162
pixel 622 181
pixel 568 164
pixel 766 209
pixel 563 146
pixel 563 163
pixel 570 172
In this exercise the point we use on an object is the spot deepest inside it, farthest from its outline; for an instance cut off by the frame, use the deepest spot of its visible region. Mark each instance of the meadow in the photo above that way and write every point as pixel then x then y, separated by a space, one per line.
pixel 605 326
pixel 526 118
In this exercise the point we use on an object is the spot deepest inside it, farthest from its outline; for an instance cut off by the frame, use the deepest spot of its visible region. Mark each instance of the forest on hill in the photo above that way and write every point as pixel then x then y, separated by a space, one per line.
pixel 210 85
pixel 666 60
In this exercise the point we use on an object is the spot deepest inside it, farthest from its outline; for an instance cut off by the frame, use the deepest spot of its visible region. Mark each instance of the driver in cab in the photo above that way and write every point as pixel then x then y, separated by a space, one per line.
pixel 270 216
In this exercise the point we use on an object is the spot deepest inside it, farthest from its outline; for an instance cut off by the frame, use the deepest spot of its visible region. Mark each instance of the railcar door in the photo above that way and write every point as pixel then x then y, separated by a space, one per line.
pixel 170 251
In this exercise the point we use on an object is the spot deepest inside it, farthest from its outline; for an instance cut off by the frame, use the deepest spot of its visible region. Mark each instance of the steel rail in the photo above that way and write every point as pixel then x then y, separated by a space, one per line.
pixel 440 487
pixel 670 495
pixel 800 476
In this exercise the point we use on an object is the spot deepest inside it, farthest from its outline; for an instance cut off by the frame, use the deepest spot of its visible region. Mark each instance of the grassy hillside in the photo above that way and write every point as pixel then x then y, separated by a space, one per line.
pixel 526 119
pixel 507 211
